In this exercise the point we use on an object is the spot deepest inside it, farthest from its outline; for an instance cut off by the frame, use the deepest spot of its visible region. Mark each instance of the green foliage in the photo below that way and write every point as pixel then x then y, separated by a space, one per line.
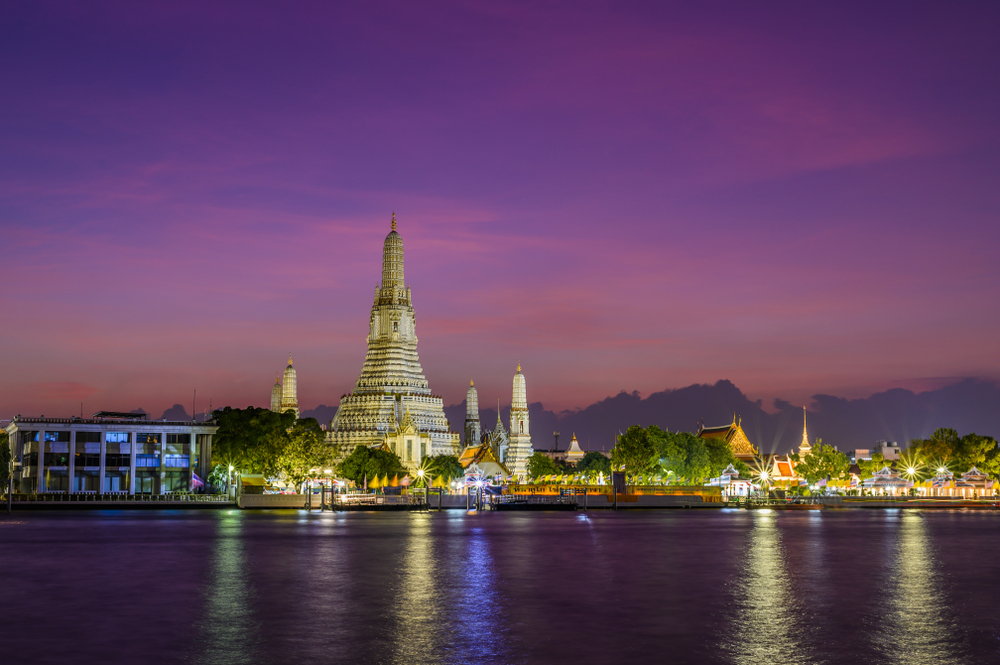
pixel 5 459
pixel 822 462
pixel 445 466
pixel 251 439
pixel 594 463
pixel 870 466
pixel 634 453
pixel 959 454
pixel 368 463
pixel 304 448
pixel 219 477
pixel 541 465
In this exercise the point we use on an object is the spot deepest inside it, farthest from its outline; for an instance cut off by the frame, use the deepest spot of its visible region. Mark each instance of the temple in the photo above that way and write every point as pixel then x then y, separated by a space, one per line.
pixel 520 438
pixel 289 390
pixel 575 453
pixel 276 395
pixel 733 435
pixel 472 429
pixel 392 382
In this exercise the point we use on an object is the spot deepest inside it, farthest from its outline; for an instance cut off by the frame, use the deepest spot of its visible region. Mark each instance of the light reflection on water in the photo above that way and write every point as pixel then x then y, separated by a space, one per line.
pixel 419 614
pixel 920 626
pixel 764 626
pixel 635 587
pixel 230 628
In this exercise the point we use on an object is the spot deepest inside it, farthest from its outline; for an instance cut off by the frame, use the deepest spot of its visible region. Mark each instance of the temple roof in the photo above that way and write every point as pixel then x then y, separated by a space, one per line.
pixel 734 435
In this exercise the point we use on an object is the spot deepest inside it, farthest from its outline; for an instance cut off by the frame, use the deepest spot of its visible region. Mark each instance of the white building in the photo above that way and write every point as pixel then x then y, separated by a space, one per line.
pixel 109 453
pixel 520 449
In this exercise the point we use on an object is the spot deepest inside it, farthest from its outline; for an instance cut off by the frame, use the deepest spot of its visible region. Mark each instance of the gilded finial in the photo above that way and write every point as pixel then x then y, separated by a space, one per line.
pixel 518 365
pixel 471 383
pixel 393 220
pixel 289 358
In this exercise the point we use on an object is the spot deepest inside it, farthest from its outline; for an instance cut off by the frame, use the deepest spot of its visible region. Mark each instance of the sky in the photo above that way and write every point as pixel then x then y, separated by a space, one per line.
pixel 800 198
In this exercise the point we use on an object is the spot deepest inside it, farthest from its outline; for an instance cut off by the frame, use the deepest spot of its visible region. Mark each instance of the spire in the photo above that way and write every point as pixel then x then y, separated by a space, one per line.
pixel 804 447
pixel 393 220
pixel 289 358
pixel 471 383
pixel 518 365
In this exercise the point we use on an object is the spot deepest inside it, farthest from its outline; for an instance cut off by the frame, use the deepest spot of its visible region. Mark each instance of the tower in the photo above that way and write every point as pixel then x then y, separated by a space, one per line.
pixel 804 447
pixel 472 430
pixel 276 395
pixel 289 390
pixel 520 437
pixel 392 379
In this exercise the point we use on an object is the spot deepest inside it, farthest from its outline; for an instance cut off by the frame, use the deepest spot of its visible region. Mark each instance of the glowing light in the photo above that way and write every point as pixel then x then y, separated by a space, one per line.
pixel 941 469
pixel 911 470
pixel 764 476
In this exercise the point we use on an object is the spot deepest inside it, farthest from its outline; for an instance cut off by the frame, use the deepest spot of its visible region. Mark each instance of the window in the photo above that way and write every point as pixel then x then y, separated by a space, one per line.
pixel 116 437
pixel 147 437
pixel 177 461
pixel 146 461
pixel 116 460
pixel 57 459
pixel 88 437
pixel 409 449
pixel 62 437
pixel 178 438
pixel 522 427
pixel 87 458
pixel 395 326
pixel 29 436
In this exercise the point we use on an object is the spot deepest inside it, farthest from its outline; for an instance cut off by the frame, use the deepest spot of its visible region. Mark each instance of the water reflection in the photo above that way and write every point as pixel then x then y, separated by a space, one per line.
pixel 764 628
pixel 230 629
pixel 922 632
pixel 418 611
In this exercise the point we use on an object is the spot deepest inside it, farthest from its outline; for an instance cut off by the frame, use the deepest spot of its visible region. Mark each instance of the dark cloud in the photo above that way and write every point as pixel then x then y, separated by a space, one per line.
pixel 322 413
pixel 897 415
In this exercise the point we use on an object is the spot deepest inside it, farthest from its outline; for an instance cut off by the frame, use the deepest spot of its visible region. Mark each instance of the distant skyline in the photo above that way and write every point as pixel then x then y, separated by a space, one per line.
pixel 801 200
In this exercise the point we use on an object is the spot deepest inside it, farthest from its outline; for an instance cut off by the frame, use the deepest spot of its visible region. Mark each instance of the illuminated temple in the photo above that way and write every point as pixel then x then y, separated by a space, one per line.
pixel 392 385
pixel 733 435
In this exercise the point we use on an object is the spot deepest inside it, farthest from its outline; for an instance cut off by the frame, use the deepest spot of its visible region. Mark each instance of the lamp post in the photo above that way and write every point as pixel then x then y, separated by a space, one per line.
pixel 420 476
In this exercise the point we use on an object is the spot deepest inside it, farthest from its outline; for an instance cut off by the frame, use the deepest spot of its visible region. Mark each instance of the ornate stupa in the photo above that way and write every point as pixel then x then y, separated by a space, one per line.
pixel 804 447
pixel 276 395
pixel 520 438
pixel 391 380
pixel 289 390
pixel 472 428
pixel 575 453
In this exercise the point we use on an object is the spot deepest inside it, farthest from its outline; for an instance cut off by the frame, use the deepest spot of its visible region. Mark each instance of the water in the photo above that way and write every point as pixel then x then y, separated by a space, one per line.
pixel 234 587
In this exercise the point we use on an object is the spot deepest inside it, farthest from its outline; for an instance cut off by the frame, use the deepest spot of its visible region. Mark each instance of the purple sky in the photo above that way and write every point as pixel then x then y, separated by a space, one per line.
pixel 800 199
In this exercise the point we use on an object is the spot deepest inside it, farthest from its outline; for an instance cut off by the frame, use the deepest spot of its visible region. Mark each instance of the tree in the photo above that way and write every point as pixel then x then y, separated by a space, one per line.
pixel 687 457
pixel 822 462
pixel 594 462
pixel 365 462
pixel 945 447
pixel 870 466
pixel 251 439
pixel 302 448
pixel 634 452
pixel 445 466
pixel 540 464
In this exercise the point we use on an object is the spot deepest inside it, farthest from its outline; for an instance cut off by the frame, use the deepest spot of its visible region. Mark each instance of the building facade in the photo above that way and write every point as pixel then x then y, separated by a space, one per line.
pixel 110 453
pixel 392 381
